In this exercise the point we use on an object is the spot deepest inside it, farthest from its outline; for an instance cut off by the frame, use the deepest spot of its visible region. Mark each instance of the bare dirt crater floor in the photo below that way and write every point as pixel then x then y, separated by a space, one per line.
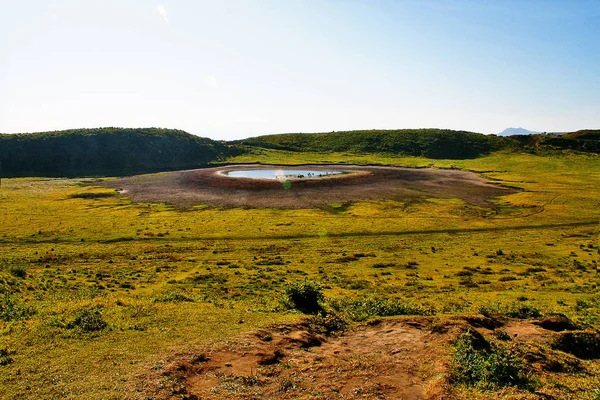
pixel 212 186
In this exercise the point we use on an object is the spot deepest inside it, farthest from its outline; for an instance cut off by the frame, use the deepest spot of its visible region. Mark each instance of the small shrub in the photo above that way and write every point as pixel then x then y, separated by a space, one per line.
pixel 305 296
pixel 383 265
pixel 88 321
pixel 286 384
pixel 199 358
pixel 92 195
pixel 5 358
pixel 347 259
pixel 464 272
pixel 486 365
pixel 468 283
pixel 18 271
pixel 411 265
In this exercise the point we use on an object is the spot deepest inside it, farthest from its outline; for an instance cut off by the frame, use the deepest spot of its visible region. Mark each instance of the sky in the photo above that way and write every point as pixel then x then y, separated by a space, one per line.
pixel 230 69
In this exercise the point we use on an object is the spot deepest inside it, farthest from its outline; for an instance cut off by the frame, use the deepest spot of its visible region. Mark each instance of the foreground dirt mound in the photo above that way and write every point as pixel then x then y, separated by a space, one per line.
pixel 391 358
pixel 211 186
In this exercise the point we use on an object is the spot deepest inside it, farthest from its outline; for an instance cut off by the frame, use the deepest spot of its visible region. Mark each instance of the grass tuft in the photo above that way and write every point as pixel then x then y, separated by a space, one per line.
pixel 88 321
pixel 18 271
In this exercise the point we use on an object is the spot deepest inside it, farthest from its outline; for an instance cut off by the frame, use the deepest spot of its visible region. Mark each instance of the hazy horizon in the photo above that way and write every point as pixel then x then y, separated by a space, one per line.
pixel 235 69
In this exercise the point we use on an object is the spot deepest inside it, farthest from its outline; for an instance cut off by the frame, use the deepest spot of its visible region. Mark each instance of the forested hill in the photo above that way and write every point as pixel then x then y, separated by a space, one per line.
pixel 105 151
pixel 585 140
pixel 431 143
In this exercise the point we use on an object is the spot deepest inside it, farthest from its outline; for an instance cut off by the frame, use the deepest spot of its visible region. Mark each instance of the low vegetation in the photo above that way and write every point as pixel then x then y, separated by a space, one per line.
pixel 96 291
pixel 477 362
pixel 427 143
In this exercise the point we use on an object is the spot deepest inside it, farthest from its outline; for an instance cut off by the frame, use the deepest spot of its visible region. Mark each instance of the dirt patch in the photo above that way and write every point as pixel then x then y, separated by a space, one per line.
pixel 185 189
pixel 390 358
pixel 396 359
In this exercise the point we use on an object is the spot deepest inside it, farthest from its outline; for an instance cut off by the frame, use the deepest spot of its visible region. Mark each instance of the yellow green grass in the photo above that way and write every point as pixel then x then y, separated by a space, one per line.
pixel 164 280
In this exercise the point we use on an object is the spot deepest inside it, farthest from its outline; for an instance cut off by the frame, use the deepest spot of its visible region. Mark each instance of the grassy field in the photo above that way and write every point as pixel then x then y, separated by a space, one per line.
pixel 96 290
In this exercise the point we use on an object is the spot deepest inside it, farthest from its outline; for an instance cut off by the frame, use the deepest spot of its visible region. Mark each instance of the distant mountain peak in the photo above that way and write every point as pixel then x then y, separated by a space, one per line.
pixel 516 131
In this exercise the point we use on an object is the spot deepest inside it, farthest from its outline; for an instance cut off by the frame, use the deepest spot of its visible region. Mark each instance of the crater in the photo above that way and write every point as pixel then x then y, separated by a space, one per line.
pixel 264 187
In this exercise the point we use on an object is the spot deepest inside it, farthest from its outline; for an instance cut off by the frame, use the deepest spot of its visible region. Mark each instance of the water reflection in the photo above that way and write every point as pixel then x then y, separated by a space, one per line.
pixel 281 174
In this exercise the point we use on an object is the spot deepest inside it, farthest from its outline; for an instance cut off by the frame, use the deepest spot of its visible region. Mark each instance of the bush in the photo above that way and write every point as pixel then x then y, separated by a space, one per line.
pixel 486 365
pixel 88 321
pixel 305 296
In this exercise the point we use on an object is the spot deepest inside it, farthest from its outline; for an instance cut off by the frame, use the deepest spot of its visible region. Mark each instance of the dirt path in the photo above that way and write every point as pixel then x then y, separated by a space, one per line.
pixel 185 189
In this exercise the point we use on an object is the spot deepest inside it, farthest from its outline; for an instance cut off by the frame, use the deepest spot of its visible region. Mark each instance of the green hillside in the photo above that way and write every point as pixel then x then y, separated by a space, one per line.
pixel 585 140
pixel 105 151
pixel 431 143
pixel 125 151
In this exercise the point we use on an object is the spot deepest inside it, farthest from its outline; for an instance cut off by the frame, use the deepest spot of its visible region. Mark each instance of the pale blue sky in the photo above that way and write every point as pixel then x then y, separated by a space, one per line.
pixel 231 69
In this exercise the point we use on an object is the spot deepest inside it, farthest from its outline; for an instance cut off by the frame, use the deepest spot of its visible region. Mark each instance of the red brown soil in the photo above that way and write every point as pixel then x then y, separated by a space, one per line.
pixel 391 358
pixel 395 359
pixel 185 189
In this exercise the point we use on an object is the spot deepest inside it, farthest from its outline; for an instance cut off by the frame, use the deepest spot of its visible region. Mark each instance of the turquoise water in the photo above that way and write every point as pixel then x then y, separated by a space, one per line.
pixel 280 174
